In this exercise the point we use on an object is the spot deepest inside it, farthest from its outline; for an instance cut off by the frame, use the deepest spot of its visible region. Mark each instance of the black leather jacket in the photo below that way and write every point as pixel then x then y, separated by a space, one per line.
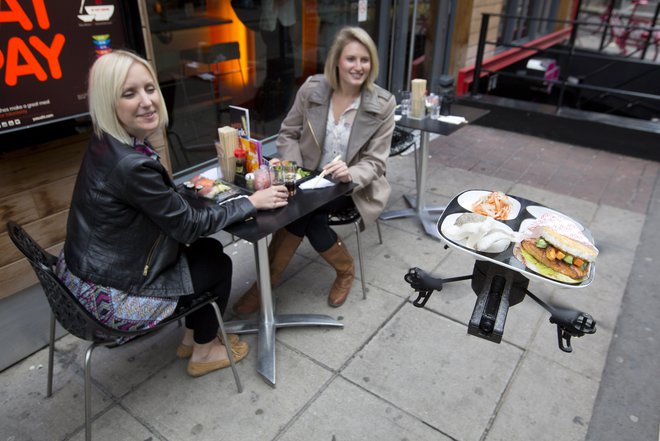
pixel 127 224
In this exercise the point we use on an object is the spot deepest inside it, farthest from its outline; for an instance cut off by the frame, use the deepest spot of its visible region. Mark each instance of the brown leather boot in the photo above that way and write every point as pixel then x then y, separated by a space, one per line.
pixel 339 258
pixel 282 247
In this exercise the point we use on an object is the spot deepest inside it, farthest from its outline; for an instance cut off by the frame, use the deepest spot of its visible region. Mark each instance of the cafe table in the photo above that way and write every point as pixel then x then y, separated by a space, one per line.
pixel 255 231
pixel 426 126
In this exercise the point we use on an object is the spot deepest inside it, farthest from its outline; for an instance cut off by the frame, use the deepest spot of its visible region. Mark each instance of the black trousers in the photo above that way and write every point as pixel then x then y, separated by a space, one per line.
pixel 210 269
pixel 315 225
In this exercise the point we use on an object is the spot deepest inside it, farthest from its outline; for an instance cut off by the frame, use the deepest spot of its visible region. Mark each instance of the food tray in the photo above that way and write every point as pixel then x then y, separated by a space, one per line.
pixel 523 212
pixel 234 190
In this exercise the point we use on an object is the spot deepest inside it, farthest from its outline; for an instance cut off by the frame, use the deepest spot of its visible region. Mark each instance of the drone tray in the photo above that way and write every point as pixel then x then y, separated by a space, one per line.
pixel 523 213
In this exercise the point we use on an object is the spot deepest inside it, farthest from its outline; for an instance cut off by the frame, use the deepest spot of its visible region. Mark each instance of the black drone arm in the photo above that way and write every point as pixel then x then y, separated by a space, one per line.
pixel 425 284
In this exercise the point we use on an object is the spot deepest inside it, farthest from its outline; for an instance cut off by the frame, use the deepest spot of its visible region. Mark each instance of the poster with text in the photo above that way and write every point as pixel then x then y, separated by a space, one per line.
pixel 46 50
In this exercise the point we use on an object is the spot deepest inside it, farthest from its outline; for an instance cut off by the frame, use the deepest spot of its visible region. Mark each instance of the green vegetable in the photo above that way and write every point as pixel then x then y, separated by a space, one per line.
pixel 568 259
pixel 541 243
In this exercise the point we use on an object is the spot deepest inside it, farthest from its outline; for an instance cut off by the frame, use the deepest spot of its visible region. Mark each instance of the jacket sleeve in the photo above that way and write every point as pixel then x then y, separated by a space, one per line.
pixel 288 139
pixel 370 163
pixel 141 184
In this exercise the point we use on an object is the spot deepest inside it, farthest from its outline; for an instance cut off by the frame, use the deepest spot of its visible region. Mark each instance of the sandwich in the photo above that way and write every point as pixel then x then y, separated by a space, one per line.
pixel 557 256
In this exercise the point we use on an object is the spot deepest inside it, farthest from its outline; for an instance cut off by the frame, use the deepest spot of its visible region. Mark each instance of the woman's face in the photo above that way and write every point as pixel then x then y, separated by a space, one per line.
pixel 354 66
pixel 137 108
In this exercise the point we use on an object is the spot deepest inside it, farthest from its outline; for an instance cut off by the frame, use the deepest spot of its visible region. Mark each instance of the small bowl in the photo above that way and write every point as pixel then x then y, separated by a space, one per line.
pixel 467 200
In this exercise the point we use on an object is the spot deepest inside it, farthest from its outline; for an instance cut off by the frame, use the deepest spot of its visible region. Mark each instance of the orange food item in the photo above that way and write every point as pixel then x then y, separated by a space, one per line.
pixel 206 184
pixel 495 204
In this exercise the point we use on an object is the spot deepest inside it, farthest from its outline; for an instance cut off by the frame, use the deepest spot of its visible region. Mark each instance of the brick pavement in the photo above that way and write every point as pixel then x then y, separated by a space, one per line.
pixel 594 175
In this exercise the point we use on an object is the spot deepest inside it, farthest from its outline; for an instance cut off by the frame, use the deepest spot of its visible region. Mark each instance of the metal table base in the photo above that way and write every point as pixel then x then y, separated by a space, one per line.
pixel 418 208
pixel 267 323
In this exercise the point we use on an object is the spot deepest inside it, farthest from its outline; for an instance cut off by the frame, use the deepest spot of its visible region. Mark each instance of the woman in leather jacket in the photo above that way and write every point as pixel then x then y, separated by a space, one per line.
pixel 340 114
pixel 135 250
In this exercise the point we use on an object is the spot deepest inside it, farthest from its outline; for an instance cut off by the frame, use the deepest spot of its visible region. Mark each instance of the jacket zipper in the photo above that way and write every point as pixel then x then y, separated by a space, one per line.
pixel 150 256
pixel 316 141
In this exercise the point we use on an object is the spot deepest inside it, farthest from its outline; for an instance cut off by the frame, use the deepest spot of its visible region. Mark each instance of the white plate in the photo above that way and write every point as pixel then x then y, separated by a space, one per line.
pixel 467 200
pixel 450 220
pixel 512 262
pixel 524 226
pixel 538 211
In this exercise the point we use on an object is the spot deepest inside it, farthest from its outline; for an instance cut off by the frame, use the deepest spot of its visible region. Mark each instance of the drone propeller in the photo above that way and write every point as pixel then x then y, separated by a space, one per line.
pixel 570 322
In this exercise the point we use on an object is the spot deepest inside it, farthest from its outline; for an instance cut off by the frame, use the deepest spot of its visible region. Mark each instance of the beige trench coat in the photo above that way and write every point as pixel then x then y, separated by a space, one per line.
pixel 302 135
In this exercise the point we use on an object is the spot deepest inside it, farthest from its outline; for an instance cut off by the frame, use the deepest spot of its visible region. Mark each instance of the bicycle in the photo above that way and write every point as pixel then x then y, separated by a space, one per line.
pixel 624 30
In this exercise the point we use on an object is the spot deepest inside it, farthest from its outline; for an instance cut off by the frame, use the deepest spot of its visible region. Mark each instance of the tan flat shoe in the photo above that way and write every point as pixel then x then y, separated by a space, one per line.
pixel 239 351
pixel 185 351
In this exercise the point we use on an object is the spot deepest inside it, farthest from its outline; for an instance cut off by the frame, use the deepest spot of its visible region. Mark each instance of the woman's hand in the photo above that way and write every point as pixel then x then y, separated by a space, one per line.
pixel 269 198
pixel 338 170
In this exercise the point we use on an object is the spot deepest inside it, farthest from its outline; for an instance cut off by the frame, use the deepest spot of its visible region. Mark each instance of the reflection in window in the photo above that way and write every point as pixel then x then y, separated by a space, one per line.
pixel 210 54
pixel 520 27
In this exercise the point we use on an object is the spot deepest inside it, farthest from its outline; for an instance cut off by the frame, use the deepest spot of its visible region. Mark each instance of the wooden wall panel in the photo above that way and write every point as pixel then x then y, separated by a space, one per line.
pixel 46 232
pixel 35 190
pixel 19 275
pixel 36 184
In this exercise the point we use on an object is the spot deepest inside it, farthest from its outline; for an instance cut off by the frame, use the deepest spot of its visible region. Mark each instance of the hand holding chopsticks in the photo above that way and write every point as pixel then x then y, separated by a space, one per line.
pixel 325 171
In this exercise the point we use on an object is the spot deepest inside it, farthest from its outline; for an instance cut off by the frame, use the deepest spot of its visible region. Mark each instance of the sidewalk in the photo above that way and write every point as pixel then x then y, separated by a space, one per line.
pixel 395 371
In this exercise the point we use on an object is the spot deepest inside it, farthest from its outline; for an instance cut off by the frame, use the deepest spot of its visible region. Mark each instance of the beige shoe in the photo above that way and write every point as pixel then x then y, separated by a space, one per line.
pixel 185 351
pixel 339 258
pixel 239 351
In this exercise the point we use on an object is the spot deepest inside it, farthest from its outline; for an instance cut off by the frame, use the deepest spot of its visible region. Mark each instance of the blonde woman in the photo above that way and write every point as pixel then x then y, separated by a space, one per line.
pixel 344 114
pixel 135 250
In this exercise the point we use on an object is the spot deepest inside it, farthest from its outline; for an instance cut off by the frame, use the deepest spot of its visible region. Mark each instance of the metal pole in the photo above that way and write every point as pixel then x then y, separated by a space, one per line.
pixel 480 53
pixel 390 60
pixel 412 43
pixel 650 31
pixel 607 27
pixel 571 52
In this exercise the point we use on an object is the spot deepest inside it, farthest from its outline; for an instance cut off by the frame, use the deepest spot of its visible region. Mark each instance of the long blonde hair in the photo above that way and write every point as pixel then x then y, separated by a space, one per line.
pixel 345 36
pixel 106 79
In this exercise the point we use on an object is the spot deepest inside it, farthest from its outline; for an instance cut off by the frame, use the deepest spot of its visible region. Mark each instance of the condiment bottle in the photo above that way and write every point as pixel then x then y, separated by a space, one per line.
pixel 240 154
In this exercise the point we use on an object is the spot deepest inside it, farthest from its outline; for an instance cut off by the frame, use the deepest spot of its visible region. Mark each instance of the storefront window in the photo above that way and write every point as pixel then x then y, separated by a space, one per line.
pixel 211 54
pixel 520 26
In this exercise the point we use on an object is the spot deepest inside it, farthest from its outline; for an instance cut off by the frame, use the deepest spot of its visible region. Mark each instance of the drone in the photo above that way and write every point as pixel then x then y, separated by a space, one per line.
pixel 498 288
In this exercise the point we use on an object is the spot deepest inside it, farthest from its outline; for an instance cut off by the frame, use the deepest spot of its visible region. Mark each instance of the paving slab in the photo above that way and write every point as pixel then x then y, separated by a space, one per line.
pixel 429 367
pixel 345 411
pixel 209 407
pixel 116 424
pixel 27 414
pixel 332 347
pixel 544 402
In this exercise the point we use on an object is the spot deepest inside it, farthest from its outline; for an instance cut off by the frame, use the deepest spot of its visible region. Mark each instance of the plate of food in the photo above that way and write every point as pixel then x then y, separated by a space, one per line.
pixel 555 247
pixel 213 189
pixel 478 232
pixel 495 204
pixel 521 239
pixel 539 210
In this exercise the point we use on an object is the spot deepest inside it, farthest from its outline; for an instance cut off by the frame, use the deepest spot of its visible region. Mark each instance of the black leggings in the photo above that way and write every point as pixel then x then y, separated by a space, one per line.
pixel 210 270
pixel 315 224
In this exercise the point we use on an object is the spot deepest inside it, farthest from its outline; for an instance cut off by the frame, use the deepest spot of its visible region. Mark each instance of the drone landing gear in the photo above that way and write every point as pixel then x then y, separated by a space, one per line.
pixel 497 288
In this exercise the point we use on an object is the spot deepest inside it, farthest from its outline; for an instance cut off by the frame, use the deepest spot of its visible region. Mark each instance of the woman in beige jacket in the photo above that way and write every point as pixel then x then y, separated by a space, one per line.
pixel 340 113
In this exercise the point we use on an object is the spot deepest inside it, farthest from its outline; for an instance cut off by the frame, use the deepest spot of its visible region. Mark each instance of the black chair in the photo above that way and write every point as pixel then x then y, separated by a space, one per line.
pixel 402 140
pixel 75 319
pixel 352 216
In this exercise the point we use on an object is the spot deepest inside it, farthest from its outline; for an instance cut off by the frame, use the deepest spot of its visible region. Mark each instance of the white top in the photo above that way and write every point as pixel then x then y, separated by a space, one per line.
pixel 337 133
